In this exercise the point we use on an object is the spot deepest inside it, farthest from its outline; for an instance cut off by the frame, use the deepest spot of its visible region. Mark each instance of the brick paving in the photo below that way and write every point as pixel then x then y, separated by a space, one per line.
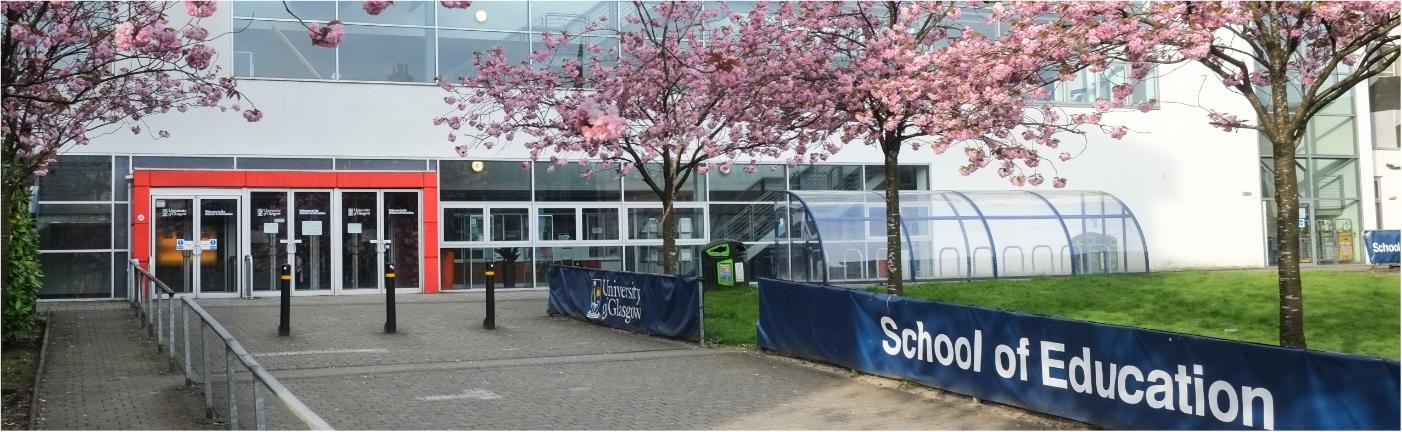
pixel 443 371
pixel 103 372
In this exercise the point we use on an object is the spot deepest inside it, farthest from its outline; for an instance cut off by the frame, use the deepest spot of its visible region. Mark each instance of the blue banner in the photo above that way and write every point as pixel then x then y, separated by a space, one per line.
pixel 668 306
pixel 1107 375
pixel 1384 246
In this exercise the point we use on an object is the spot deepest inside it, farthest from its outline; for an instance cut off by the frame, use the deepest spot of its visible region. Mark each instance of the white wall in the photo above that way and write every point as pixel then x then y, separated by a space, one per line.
pixel 1195 189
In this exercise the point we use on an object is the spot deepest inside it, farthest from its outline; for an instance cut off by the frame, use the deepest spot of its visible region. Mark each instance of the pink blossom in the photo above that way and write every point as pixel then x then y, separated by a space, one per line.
pixel 328 36
pixel 198 56
pixel 124 36
pixel 253 115
pixel 196 33
pixel 1145 106
pixel 375 7
pixel 456 4
pixel 1059 182
pixel 1118 132
pixel 1065 156
pixel 200 9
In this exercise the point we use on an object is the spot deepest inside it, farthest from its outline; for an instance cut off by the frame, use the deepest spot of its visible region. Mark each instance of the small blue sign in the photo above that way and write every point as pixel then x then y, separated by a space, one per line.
pixel 1384 246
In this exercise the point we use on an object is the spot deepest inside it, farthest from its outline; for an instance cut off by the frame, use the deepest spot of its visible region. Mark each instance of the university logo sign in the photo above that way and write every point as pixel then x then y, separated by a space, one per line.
pixel 668 306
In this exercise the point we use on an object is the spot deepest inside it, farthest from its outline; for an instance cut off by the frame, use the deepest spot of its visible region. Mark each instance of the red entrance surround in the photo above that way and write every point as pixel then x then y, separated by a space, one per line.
pixel 144 180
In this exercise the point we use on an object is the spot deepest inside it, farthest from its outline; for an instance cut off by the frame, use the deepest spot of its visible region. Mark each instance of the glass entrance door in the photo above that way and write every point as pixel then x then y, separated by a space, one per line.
pixel 378 228
pixel 311 241
pixel 360 229
pixel 290 227
pixel 196 243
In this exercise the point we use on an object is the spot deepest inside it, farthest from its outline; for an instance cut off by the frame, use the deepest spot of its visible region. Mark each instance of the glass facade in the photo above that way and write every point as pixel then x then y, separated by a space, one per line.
pixel 81 217
pixel 1327 175
pixel 416 41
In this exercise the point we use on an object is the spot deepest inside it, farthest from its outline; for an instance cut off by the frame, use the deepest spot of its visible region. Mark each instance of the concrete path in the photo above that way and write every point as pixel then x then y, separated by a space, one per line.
pixel 443 371
pixel 102 372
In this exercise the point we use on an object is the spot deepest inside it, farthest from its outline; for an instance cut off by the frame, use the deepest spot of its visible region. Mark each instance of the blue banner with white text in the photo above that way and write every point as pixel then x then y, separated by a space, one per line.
pixel 667 306
pixel 1384 246
pixel 1107 375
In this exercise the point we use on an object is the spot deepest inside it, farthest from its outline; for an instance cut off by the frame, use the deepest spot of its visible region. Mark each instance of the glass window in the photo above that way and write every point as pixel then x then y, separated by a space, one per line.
pixel 76 275
pixel 601 224
pixel 1333 135
pixel 456 48
pixel 419 13
pixel 647 223
pixel 1080 88
pixel 1335 178
pixel 635 189
pixel 306 10
pixel 510 224
pixel 461 180
pixel 913 177
pixel 463 224
pixel 744 222
pixel 739 185
pixel 492 15
pixel 569 183
pixel 826 177
pixel 78 178
pixel 469 266
pixel 572 16
pixel 74 226
pixel 387 54
pixel 581 52
pixel 648 259
pixel 557 224
pixel 279 50
pixel 598 257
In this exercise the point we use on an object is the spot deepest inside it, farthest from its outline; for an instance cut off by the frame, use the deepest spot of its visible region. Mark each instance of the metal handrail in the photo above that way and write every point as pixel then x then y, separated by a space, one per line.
pixel 147 302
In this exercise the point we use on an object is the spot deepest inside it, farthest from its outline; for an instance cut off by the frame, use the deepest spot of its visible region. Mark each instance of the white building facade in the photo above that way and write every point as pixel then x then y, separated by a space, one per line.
pixel 346 173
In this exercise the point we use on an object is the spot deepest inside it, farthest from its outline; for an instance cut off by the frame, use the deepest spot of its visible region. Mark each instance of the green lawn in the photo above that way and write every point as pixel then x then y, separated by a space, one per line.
pixel 1353 312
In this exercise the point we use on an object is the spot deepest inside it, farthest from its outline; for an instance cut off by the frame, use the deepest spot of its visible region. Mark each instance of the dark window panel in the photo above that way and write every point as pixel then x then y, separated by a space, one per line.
pixel 381 164
pixel 183 162
pixel 490 181
pixel 74 226
pixel 120 215
pixel 120 267
pixel 913 177
pixel 76 275
pixel 78 178
pixel 121 168
pixel 739 185
pixel 568 183
pixel 826 177
pixel 285 163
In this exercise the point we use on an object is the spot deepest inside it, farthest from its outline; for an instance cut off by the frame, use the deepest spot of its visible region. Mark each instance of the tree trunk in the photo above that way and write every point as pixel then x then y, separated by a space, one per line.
pixel 669 236
pixel 894 285
pixel 1287 232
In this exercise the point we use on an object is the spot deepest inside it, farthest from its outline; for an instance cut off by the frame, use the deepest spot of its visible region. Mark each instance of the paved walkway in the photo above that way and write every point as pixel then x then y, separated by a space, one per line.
pixel 103 373
pixel 443 371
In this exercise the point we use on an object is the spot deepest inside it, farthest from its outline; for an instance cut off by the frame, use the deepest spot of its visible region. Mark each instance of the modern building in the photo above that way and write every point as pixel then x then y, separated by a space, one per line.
pixel 346 173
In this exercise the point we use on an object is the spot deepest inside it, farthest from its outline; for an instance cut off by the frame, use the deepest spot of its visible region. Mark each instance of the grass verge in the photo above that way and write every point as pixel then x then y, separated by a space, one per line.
pixel 1351 312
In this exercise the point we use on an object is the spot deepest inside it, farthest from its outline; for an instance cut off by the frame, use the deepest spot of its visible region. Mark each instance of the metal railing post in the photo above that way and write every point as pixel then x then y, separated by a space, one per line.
pixel 131 286
pixel 233 394
pixel 185 322
pixel 208 386
pixel 170 338
pixel 160 325
pixel 260 415
pixel 150 307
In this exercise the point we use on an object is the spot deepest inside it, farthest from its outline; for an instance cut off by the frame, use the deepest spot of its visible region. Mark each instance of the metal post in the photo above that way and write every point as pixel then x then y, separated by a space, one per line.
pixel 160 323
pixel 390 321
pixel 170 338
pixel 185 322
pixel 204 370
pixel 233 393
pixel 260 415
pixel 490 322
pixel 284 322
pixel 701 308
pixel 131 286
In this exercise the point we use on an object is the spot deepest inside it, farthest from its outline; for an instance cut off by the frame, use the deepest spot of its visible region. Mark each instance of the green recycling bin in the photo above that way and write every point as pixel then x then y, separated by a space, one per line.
pixel 723 264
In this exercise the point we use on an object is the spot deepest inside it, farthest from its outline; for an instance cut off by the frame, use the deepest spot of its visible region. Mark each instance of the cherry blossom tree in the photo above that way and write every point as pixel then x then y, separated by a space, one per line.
pixel 1287 60
pixel 918 74
pixel 680 90
pixel 76 70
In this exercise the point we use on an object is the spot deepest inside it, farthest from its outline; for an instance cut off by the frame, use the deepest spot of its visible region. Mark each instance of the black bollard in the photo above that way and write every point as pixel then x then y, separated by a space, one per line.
pixel 390 322
pixel 284 321
pixel 491 321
